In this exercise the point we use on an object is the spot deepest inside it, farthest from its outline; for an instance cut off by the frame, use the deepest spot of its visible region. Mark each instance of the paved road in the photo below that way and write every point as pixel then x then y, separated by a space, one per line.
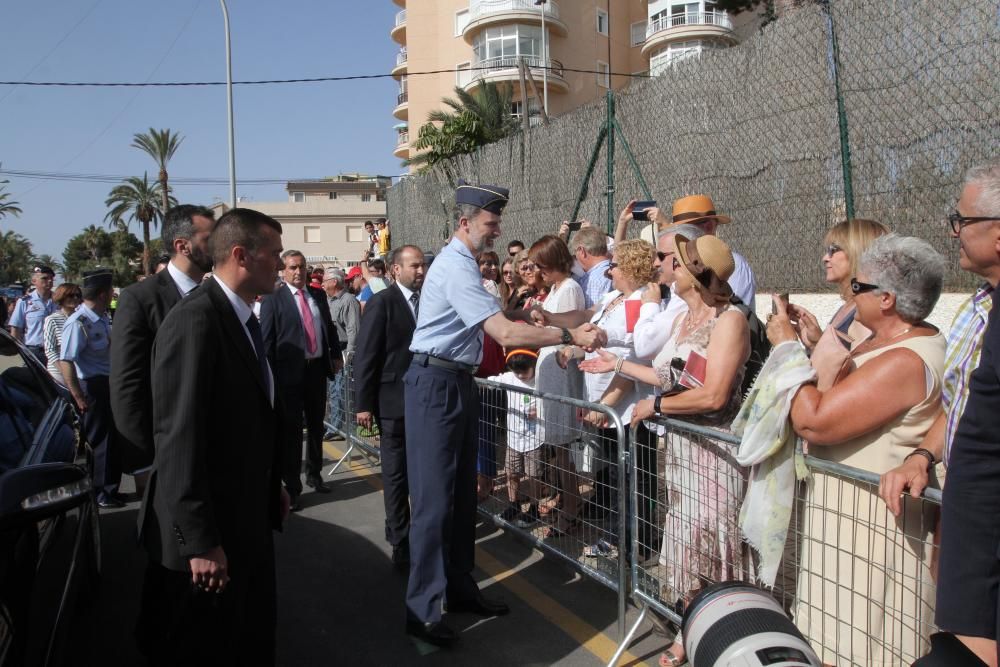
pixel 340 602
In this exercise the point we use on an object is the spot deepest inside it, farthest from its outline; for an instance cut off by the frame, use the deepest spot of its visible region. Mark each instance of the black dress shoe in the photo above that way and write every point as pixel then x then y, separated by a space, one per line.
pixel 110 502
pixel 401 557
pixel 479 605
pixel 317 484
pixel 295 505
pixel 436 633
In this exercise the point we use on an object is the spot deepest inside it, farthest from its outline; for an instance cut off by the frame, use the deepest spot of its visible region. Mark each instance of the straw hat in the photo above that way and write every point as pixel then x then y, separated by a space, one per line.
pixel 710 261
pixel 696 208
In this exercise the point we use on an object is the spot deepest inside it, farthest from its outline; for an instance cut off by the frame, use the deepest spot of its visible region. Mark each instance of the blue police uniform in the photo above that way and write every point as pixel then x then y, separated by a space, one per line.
pixel 442 408
pixel 29 315
pixel 86 343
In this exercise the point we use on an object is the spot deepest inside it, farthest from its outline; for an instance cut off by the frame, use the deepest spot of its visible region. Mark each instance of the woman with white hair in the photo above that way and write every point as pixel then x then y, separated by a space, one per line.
pixel 864 593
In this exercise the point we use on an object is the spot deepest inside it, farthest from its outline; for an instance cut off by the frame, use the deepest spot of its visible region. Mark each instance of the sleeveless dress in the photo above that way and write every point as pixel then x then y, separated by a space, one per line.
pixel 865 594
pixel 557 423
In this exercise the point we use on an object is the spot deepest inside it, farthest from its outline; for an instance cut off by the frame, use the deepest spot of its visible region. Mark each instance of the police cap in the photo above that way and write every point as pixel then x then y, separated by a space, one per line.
pixel 97 279
pixel 41 268
pixel 491 198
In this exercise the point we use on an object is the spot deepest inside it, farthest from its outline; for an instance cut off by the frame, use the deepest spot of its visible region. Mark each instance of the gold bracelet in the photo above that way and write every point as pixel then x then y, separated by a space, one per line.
pixel 618 365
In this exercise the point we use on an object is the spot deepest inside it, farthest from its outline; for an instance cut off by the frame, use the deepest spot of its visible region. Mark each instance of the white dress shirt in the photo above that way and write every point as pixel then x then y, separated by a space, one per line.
pixel 654 325
pixel 317 321
pixel 183 281
pixel 243 312
pixel 407 293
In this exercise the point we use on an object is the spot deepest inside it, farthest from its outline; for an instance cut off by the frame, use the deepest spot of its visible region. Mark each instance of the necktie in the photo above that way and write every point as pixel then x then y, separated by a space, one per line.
pixel 415 300
pixel 307 322
pixel 253 326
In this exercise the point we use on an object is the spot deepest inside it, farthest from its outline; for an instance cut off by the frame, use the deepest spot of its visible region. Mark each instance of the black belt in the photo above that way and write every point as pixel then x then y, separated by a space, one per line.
pixel 422 359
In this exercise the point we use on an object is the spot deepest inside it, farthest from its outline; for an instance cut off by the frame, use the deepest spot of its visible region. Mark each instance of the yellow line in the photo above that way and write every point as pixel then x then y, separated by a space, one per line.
pixel 595 641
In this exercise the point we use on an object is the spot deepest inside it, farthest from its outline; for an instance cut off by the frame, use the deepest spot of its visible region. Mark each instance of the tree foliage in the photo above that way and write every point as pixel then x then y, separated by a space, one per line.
pixel 135 200
pixel 94 247
pixel 17 258
pixel 475 119
pixel 7 205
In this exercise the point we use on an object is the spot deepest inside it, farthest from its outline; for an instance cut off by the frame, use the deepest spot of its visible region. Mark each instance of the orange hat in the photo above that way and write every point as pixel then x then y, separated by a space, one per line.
pixel 695 208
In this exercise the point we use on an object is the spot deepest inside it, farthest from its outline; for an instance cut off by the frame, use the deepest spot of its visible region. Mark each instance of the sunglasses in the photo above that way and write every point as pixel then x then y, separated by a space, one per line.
pixel 832 250
pixel 675 264
pixel 957 220
pixel 527 268
pixel 508 273
pixel 663 255
pixel 858 287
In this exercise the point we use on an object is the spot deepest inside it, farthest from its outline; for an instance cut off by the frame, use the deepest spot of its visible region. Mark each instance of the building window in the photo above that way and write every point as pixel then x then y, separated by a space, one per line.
pixel 380 195
pixel 603 74
pixel 356 234
pixel 366 197
pixel 638 33
pixel 310 234
pixel 333 195
pixel 602 22
pixel 670 55
pixel 461 20
pixel 501 45
pixel 463 74
pixel 298 197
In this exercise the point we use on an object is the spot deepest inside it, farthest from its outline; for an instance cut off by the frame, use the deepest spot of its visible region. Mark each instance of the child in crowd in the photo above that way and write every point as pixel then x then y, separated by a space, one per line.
pixel 524 437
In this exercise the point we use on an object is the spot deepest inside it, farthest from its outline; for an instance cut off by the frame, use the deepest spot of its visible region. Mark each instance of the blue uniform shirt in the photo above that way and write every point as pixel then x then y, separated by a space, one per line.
pixel 86 341
pixel 29 315
pixel 453 306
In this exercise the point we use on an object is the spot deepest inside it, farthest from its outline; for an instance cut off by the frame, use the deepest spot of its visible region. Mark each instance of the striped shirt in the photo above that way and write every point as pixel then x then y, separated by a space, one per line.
pixel 965 343
pixel 51 333
pixel 594 283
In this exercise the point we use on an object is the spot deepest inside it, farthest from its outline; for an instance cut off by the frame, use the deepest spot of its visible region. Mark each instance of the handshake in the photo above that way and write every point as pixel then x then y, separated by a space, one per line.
pixel 587 335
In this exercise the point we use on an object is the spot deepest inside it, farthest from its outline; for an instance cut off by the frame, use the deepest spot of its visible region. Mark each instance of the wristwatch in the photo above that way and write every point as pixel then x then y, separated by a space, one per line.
pixel 567 337
pixel 657 406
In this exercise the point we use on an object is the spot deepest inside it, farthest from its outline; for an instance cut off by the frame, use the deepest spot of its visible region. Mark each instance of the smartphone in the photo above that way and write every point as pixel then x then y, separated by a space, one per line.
pixel 575 226
pixel 783 297
pixel 640 210
pixel 665 292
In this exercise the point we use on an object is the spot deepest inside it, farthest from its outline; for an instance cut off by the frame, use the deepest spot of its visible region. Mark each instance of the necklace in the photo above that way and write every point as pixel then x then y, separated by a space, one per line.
pixel 690 324
pixel 882 344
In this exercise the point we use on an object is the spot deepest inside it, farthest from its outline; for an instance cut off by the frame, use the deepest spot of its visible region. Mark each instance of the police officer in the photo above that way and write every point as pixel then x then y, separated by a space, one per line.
pixel 85 361
pixel 29 314
pixel 442 407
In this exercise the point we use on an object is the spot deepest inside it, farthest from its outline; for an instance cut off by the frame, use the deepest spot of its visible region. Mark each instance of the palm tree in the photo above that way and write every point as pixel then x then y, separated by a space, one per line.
pixel 161 146
pixel 476 119
pixel 138 200
pixel 51 262
pixel 16 253
pixel 93 237
pixel 7 207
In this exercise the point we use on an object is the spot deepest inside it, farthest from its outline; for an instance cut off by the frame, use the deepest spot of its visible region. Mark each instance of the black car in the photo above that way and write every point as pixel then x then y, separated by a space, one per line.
pixel 49 530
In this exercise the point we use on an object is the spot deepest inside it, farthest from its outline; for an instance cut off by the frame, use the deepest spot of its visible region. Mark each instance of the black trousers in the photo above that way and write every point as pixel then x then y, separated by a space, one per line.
pixel 181 625
pixel 396 487
pixel 303 404
pixel 99 429
pixel 649 528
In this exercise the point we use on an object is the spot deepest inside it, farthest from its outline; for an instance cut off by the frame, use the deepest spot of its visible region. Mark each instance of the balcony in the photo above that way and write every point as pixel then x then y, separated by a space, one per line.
pixel 505 68
pixel 402 150
pixel 689 25
pixel 398 31
pixel 400 68
pixel 402 110
pixel 488 12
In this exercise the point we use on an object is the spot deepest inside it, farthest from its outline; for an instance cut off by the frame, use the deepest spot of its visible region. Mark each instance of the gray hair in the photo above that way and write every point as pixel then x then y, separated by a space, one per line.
pixel 591 239
pixel 908 267
pixel 688 230
pixel 464 211
pixel 336 275
pixel 291 253
pixel 987 177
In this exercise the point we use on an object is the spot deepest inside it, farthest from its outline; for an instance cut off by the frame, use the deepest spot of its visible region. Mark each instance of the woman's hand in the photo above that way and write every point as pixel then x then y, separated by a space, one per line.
pixel 564 230
pixel 779 327
pixel 625 216
pixel 911 475
pixel 806 325
pixel 595 418
pixel 565 355
pixel 604 362
pixel 643 410
pixel 830 359
pixel 652 293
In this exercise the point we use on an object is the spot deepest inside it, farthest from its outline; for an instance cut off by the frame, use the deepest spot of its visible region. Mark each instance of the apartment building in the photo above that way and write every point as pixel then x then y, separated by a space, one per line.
pixel 324 218
pixel 570 46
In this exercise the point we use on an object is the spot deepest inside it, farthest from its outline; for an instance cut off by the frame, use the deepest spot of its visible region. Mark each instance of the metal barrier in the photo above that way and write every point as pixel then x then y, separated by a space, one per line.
pixel 340 418
pixel 856 580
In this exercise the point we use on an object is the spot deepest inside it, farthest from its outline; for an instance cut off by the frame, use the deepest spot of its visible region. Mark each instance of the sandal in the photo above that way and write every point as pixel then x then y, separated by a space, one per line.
pixel 549 505
pixel 668 659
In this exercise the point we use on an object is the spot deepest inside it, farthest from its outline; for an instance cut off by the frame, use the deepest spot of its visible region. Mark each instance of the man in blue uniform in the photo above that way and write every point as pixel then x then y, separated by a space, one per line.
pixel 85 361
pixel 442 407
pixel 29 314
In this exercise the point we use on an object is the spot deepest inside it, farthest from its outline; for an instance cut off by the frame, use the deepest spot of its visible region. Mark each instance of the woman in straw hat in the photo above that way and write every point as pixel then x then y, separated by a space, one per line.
pixel 697 374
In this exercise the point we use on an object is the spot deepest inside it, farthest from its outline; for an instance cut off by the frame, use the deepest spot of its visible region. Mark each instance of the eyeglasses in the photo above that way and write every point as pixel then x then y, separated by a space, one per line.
pixel 858 287
pixel 832 250
pixel 612 265
pixel 957 220
pixel 675 264
pixel 526 268
pixel 508 273
pixel 663 255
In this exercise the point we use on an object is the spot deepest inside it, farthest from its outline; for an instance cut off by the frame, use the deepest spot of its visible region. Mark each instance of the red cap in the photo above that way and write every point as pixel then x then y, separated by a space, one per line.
pixel 354 272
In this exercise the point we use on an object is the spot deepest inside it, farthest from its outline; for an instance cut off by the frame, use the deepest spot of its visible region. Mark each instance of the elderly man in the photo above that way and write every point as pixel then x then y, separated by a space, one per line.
pixel 441 412
pixel 29 314
pixel 345 311
pixel 590 249
pixel 964 437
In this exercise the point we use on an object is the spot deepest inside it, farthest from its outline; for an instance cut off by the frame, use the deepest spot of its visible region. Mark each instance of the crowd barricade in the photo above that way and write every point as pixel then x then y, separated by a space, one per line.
pixel 555 480
pixel 340 418
pixel 857 581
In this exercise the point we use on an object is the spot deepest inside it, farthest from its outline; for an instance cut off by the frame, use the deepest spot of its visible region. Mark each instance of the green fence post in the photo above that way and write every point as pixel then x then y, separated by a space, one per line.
pixel 845 140
pixel 610 129
pixel 631 158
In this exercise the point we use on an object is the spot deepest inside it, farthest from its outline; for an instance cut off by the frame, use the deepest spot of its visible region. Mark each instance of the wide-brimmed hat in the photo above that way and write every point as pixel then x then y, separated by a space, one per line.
pixel 696 208
pixel 710 261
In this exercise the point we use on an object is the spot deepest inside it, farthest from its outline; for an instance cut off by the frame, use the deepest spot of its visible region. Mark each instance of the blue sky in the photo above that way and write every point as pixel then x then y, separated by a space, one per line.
pixel 282 131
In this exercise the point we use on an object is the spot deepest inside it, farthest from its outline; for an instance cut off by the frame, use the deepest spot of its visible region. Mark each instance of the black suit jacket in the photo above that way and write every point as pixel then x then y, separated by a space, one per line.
pixel 284 338
pixel 216 475
pixel 141 310
pixel 382 354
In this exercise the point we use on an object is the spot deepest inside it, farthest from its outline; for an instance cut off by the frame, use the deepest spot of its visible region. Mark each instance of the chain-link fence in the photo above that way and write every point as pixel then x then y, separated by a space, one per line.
pixel 871 106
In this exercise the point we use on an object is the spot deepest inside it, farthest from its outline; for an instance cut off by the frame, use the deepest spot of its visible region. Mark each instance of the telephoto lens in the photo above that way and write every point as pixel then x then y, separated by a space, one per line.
pixel 735 624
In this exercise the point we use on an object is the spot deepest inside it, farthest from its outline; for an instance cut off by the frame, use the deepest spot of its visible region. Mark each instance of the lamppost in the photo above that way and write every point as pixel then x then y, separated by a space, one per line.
pixel 545 63
pixel 229 104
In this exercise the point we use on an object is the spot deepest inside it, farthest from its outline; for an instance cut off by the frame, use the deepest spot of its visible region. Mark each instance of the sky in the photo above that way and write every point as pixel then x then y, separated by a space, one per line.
pixel 283 131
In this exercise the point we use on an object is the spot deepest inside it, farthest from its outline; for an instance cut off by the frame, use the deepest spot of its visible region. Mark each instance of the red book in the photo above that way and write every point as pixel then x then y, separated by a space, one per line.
pixel 693 375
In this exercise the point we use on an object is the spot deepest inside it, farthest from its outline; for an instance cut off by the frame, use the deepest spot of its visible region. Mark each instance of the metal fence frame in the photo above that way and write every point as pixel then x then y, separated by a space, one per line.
pixel 348 428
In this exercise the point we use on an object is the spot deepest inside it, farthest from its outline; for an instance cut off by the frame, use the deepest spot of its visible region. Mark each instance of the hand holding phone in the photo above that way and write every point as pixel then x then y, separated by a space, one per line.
pixel 575 226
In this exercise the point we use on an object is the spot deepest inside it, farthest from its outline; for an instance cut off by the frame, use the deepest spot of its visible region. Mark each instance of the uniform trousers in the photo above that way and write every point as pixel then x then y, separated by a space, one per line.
pixel 39 352
pixel 306 399
pixel 98 426
pixel 442 408
pixel 395 487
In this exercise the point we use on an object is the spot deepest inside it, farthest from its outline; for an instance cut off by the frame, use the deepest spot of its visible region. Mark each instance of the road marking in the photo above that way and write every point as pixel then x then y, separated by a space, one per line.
pixel 589 637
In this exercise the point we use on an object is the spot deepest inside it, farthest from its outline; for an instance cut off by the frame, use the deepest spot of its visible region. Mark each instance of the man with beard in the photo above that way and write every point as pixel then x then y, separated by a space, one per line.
pixel 383 355
pixel 442 408
pixel 141 309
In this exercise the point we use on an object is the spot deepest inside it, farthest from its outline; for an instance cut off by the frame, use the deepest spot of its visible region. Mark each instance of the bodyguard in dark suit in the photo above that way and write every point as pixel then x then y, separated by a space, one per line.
pixel 215 493
pixel 381 359
pixel 304 351
pixel 142 308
